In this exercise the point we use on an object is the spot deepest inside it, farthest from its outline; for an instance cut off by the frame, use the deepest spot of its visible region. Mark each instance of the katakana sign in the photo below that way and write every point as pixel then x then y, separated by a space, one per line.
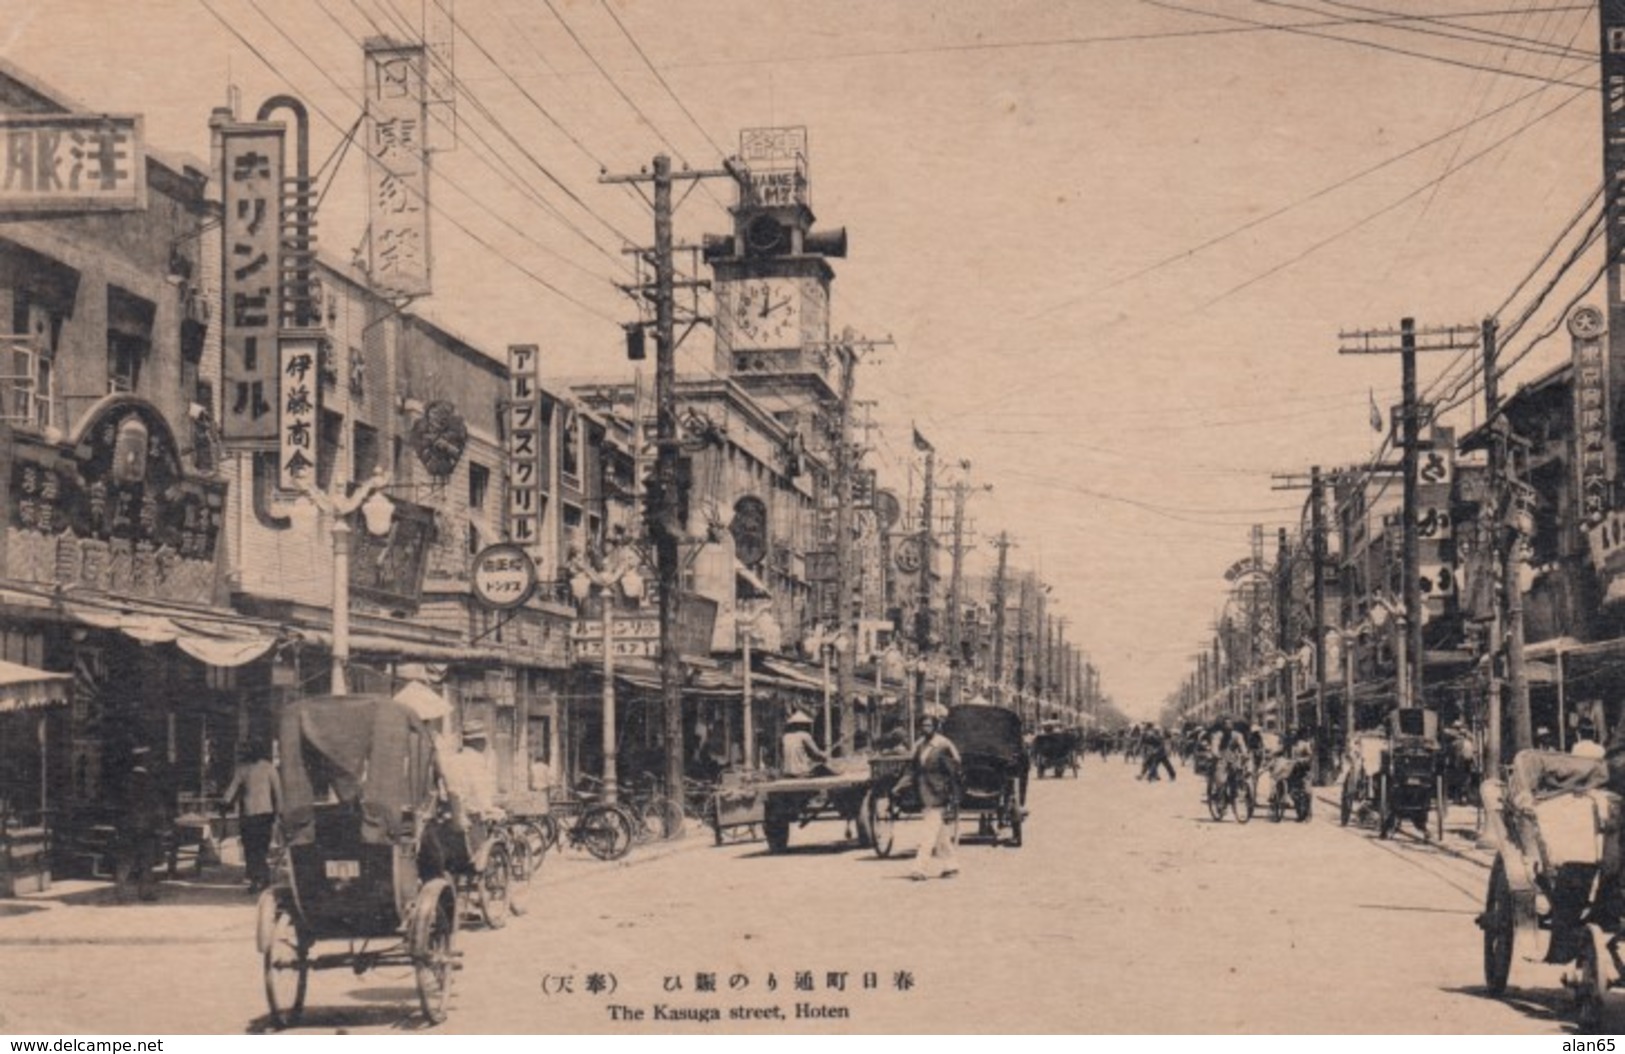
pixel 251 280
pixel 525 482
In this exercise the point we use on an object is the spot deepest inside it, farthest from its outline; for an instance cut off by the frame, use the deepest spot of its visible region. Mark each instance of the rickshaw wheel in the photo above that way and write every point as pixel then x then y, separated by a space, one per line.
pixel 287 970
pixel 1015 822
pixel 882 820
pixel 432 955
pixel 491 887
pixel 1591 986
pixel 1387 819
pixel 523 868
pixel 776 829
pixel 1303 804
pixel 1345 806
pixel 1243 803
pixel 1277 804
pixel 1438 814
pixel 1498 929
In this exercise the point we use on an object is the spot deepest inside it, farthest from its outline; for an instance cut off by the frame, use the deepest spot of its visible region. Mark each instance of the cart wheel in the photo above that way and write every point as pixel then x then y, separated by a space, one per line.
pixel 491 887
pixel 777 831
pixel 1438 814
pixel 1591 984
pixel 715 818
pixel 1345 807
pixel 1496 922
pixel 605 832
pixel 1243 803
pixel 664 816
pixel 1015 823
pixel 434 929
pixel 1387 819
pixel 882 819
pixel 287 969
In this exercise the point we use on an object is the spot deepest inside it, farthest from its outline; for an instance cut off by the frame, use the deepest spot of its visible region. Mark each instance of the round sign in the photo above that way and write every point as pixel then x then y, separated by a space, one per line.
pixel 907 555
pixel 1586 322
pixel 504 576
pixel 888 508
pixel 439 436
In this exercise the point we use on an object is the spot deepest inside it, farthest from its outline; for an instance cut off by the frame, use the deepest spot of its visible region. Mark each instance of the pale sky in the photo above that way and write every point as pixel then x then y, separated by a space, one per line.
pixel 1114 241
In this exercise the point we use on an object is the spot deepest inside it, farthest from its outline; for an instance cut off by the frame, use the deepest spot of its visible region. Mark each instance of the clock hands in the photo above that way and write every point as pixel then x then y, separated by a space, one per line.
pixel 768 309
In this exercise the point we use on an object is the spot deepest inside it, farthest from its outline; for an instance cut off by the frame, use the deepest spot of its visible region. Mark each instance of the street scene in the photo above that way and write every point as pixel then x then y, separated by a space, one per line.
pixel 661 516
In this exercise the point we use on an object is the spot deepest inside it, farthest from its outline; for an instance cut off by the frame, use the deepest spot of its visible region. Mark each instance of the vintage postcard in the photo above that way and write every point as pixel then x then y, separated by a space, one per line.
pixel 764 517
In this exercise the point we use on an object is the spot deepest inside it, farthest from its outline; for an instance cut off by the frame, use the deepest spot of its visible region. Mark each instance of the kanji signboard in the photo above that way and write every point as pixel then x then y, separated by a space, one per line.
pixel 298 399
pixel 251 286
pixel 397 170
pixel 1593 447
pixel 72 163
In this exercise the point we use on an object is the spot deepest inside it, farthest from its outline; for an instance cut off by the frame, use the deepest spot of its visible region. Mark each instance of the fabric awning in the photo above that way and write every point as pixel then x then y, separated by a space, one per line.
pixel 215 643
pixel 794 675
pixel 424 701
pixel 24 687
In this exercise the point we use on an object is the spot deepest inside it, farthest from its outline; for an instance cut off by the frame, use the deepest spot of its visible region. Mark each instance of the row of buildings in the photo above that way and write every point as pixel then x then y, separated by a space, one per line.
pixel 1522 630
pixel 218 495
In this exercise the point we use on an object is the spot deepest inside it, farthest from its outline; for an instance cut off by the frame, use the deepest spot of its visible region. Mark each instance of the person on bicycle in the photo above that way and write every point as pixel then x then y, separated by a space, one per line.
pixel 1229 748
pixel 468 794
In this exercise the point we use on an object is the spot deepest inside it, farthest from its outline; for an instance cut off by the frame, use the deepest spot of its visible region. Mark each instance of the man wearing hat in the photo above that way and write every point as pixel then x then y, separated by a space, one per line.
pixel 141 832
pixel 934 776
pixel 802 756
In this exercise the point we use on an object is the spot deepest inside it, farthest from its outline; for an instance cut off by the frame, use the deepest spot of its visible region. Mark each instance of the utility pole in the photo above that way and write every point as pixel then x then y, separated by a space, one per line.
pixel 1371 342
pixel 1040 653
pixel 956 599
pixel 1003 544
pixel 1024 661
pixel 668 531
pixel 1058 663
pixel 928 545
pixel 1492 410
pixel 845 659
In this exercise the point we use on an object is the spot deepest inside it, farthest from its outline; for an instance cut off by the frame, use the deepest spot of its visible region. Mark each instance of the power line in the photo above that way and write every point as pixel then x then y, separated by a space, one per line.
pixel 1371 44
pixel 610 11
pixel 1537 46
pixel 477 239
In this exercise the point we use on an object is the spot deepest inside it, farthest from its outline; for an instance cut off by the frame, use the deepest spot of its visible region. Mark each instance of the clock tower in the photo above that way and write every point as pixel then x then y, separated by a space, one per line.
pixel 772 276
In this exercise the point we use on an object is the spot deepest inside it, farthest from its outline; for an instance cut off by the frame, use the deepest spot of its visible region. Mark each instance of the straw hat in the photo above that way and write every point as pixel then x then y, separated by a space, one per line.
pixel 798 718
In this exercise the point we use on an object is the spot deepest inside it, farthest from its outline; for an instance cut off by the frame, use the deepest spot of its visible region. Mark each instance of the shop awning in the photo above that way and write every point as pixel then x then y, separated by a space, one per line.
pixel 24 688
pixel 794 675
pixel 211 641
pixel 424 701
pixel 404 648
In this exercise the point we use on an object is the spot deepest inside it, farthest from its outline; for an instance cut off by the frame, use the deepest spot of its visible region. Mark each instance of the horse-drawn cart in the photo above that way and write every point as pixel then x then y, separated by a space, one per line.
pixel 858 793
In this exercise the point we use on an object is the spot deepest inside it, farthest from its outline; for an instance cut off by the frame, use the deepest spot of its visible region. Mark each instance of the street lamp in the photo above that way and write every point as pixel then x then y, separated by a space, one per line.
pixel 750 629
pixel 619 568
pixel 828 642
pixel 377 513
pixel 1383 612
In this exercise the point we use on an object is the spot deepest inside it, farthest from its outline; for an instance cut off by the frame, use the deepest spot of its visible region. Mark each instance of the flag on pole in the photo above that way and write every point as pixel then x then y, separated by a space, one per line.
pixel 920 443
pixel 1376 414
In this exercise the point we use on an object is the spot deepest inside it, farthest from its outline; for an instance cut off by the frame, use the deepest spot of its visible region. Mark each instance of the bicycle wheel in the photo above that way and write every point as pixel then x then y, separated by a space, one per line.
pixel 664 817
pixel 604 831
pixel 521 869
pixel 491 887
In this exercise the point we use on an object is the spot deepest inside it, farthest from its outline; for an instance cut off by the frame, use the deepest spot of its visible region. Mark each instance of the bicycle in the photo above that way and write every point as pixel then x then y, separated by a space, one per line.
pixel 660 816
pixel 603 830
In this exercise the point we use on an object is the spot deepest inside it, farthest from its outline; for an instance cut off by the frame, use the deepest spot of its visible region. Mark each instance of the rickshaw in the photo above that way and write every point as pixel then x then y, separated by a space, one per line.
pixel 1057 750
pixel 1554 888
pixel 1410 784
pixel 1367 754
pixel 994 766
pixel 357 813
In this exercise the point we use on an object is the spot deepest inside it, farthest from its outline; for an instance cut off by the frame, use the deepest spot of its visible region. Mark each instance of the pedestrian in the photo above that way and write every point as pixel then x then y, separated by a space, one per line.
pixel 1155 748
pixel 141 833
pixel 934 777
pixel 256 790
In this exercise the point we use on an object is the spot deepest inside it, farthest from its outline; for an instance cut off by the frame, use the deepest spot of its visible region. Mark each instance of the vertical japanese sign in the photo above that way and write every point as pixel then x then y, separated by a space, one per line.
pixel 524 449
pixel 397 170
pixel 298 394
pixel 1592 443
pixel 1611 20
pixel 251 291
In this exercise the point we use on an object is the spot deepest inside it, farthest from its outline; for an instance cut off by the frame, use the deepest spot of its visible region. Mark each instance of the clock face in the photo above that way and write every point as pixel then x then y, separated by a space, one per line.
pixel 766 313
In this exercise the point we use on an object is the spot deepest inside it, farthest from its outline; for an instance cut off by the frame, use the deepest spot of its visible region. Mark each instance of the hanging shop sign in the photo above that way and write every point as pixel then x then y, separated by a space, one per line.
pixel 63 162
pixel 822 565
pixel 524 414
pixel 439 437
pixel 251 278
pixel 888 508
pixel 298 400
pixel 388 569
pixel 397 170
pixel 114 512
pixel 749 530
pixel 1593 446
pixel 504 576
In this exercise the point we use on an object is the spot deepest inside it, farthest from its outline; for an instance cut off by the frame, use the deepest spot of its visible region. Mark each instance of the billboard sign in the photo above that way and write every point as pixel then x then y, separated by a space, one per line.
pixel 397 170
pixel 298 398
pixel 63 162
pixel 524 412
pixel 1593 446
pixel 251 279
pixel 776 159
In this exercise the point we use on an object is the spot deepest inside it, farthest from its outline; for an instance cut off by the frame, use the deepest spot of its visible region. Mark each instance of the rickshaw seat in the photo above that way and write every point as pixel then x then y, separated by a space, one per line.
pixel 1564 799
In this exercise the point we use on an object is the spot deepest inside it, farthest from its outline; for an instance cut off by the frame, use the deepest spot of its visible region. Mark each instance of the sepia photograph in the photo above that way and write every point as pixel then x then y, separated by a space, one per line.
pixel 812 517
